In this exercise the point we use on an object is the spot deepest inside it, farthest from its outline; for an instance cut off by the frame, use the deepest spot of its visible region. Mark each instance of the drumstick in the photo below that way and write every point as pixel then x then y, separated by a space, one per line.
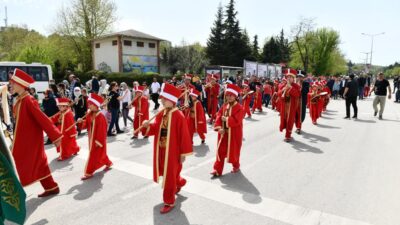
pixel 152 118
pixel 73 125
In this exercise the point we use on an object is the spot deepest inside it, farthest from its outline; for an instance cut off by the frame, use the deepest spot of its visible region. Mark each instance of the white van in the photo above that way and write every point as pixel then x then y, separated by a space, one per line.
pixel 40 72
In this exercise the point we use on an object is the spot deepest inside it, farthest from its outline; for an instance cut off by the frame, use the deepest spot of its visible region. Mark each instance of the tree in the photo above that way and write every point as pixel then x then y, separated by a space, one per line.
pixel 245 51
pixel 284 48
pixel 255 50
pixel 317 51
pixel 236 47
pixel 215 43
pixel 185 58
pixel 326 43
pixel 271 52
pixel 83 21
pixel 303 40
pixel 14 39
pixel 32 54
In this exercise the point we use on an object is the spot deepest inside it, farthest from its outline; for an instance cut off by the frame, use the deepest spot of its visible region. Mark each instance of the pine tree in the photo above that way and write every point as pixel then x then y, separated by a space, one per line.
pixel 255 49
pixel 236 46
pixel 245 51
pixel 284 47
pixel 215 43
pixel 271 51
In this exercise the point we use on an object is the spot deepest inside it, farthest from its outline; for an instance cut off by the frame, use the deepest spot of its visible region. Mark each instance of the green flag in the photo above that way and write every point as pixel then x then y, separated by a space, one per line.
pixel 12 195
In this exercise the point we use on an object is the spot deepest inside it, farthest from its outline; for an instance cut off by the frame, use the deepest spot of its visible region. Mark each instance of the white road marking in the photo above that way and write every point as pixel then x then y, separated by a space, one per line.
pixel 274 209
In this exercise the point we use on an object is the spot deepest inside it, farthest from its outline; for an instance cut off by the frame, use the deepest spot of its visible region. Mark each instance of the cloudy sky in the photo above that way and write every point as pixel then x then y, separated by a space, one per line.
pixel 190 20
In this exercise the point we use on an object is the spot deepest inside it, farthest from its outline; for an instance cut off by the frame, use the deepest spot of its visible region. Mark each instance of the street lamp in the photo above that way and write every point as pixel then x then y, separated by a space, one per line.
pixel 372 43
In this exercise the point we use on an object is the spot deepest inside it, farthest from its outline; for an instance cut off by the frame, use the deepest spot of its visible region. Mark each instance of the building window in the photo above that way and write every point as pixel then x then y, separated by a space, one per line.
pixel 97 45
pixel 114 42
pixel 127 43
pixel 140 44
pixel 152 45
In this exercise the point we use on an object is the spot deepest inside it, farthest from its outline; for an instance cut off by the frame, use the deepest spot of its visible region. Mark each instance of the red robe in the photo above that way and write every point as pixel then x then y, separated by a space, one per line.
pixel 257 101
pixel 246 104
pixel 313 106
pixel 68 145
pixel 231 143
pixel 28 147
pixel 289 104
pixel 326 98
pixel 197 120
pixel 212 100
pixel 96 125
pixel 171 141
pixel 141 105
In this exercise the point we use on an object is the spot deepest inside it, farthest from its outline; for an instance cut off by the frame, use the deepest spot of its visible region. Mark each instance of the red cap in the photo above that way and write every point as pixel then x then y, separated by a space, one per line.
pixel 95 99
pixel 63 101
pixel 194 93
pixel 290 72
pixel 170 92
pixel 22 78
pixel 139 89
pixel 245 83
pixel 233 89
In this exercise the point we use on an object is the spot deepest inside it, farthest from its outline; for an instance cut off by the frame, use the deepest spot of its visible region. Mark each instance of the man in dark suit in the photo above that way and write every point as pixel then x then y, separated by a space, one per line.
pixel 305 86
pixel 350 94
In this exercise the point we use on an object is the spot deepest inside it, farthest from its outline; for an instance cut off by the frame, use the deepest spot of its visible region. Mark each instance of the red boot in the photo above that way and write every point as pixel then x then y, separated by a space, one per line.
pixel 48 193
pixel 166 209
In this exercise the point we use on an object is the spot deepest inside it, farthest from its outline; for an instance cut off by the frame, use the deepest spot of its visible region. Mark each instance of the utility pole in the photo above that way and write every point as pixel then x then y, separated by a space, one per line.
pixel 372 43
pixel 366 59
pixel 5 17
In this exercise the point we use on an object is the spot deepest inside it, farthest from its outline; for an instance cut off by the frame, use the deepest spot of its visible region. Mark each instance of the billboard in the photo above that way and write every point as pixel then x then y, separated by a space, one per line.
pixel 271 71
pixel 250 68
pixel 278 70
pixel 262 70
pixel 140 64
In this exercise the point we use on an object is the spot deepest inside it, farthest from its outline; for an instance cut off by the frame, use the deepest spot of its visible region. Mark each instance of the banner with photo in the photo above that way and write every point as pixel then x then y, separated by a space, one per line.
pixel 271 71
pixel 278 71
pixel 250 68
pixel 262 70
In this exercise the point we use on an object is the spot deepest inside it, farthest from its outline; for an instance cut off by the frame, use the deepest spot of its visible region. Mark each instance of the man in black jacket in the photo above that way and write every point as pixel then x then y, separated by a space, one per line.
pixel 350 94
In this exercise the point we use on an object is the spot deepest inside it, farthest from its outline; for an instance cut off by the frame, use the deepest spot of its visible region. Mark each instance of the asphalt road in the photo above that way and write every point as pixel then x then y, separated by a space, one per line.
pixel 340 172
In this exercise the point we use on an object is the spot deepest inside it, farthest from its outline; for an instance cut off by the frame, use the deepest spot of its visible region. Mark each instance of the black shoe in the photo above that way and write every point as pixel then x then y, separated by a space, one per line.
pixel 354 117
pixel 347 117
pixel 120 132
pixel 111 135
pixel 375 113
pixel 203 141
pixel 134 137
pixel 145 137
pixel 380 117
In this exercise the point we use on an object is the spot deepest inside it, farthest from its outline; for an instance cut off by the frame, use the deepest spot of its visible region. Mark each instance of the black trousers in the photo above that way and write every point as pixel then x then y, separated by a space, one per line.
pixel 154 98
pixel 351 101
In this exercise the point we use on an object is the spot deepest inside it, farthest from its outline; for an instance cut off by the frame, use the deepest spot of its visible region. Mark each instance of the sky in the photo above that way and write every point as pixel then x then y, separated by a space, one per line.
pixel 191 20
